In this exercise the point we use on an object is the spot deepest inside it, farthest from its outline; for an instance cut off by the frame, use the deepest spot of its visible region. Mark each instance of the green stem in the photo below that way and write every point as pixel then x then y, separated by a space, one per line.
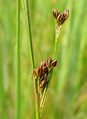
pixel 37 98
pixel 18 104
pixel 55 50
pixel 56 40
pixel 36 85
pixel 44 94
pixel 2 92
pixel 29 29
pixel 42 101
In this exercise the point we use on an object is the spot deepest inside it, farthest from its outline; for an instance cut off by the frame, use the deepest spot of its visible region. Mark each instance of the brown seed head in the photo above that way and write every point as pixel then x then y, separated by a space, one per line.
pixel 43 83
pixel 35 72
pixel 49 61
pixel 66 14
pixel 60 17
pixel 40 70
pixel 43 64
pixel 54 63
pixel 55 13
pixel 45 69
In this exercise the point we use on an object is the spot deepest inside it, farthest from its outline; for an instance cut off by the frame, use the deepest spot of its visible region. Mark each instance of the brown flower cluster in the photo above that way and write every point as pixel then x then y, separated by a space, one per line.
pixel 42 71
pixel 60 17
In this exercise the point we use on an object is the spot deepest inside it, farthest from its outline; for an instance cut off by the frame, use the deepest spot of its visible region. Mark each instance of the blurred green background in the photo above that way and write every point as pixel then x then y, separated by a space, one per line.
pixel 67 94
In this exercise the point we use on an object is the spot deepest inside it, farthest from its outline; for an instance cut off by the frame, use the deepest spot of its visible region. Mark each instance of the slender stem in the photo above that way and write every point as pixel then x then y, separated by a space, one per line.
pixel 36 85
pixel 18 104
pixel 2 92
pixel 56 40
pixel 37 98
pixel 55 50
pixel 42 101
pixel 29 29
pixel 44 94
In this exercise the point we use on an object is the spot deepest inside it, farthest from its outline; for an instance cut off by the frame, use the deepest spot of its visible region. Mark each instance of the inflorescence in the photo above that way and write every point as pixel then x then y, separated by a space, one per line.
pixel 41 73
pixel 60 17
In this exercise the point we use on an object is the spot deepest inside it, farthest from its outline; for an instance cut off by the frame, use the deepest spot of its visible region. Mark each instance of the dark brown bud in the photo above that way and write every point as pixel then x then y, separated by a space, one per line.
pixel 45 69
pixel 66 14
pixel 44 77
pixel 55 13
pixel 43 63
pixel 49 61
pixel 35 72
pixel 43 82
pixel 40 70
pixel 54 63
pixel 60 17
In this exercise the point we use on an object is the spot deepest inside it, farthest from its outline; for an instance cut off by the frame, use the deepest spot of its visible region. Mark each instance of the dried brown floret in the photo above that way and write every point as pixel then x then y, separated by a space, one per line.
pixel 60 17
pixel 42 71
pixel 54 63
pixel 55 13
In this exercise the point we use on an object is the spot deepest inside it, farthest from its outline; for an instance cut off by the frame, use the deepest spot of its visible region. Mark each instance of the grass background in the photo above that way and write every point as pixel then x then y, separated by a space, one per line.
pixel 67 94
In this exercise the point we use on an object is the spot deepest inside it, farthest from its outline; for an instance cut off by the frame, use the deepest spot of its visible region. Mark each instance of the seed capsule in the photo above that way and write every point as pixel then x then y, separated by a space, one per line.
pixel 66 14
pixel 49 61
pixel 55 13
pixel 60 17
pixel 54 63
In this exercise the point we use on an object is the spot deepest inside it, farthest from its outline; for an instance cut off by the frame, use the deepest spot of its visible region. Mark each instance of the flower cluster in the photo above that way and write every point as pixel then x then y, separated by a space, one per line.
pixel 42 71
pixel 60 17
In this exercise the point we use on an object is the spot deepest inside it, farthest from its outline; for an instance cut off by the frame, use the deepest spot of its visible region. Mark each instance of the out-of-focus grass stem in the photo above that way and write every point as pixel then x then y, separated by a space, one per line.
pixel 2 94
pixel 18 102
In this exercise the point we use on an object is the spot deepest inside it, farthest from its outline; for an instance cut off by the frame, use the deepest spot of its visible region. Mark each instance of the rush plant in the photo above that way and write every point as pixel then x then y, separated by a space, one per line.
pixel 42 74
